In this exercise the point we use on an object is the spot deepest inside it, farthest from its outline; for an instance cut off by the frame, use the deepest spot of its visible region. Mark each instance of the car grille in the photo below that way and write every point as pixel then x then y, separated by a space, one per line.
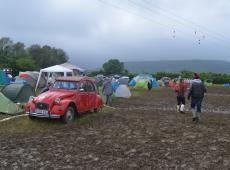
pixel 42 106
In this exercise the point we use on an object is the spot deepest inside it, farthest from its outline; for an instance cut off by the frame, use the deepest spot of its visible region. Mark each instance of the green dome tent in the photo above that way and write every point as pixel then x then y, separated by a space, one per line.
pixel 18 93
pixel 7 106
pixel 142 84
pixel 141 81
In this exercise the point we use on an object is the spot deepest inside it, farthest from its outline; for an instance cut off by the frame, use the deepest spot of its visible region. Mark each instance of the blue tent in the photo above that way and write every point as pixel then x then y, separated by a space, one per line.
pixel 132 83
pixel 155 83
pixel 4 79
pixel 115 84
pixel 227 85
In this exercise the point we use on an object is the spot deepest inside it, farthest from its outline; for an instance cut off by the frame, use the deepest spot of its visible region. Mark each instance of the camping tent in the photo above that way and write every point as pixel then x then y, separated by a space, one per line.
pixel 161 83
pixel 31 77
pixel 124 80
pixel 115 84
pixel 7 106
pixel 165 81
pixel 57 69
pixel 227 85
pixel 141 80
pixel 18 93
pixel 4 79
pixel 123 91
pixel 76 70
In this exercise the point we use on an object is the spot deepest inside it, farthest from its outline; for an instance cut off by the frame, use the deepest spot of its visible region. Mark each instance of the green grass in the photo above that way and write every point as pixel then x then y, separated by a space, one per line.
pixel 26 125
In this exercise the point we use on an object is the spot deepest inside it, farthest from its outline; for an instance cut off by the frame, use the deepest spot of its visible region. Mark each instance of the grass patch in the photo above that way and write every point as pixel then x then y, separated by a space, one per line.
pixel 26 125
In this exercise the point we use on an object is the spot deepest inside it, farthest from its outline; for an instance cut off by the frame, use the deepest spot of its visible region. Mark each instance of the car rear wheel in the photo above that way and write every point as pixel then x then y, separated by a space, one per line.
pixel 69 115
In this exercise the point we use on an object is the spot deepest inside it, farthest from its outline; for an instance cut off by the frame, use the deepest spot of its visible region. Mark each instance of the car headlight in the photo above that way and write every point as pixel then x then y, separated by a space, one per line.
pixel 57 101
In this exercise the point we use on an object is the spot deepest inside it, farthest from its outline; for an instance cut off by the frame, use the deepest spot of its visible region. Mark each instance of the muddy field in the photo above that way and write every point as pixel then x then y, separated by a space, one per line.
pixel 143 132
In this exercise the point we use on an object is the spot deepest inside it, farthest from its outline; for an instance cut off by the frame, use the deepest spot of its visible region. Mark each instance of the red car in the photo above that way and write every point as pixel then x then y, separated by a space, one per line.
pixel 68 96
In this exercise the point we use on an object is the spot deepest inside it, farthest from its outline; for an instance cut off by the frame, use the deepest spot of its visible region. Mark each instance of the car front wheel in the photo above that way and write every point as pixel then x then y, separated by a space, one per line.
pixel 69 115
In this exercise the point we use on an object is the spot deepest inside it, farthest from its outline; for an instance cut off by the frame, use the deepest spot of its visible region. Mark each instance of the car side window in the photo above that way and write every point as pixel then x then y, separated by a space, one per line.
pixel 90 87
pixel 83 85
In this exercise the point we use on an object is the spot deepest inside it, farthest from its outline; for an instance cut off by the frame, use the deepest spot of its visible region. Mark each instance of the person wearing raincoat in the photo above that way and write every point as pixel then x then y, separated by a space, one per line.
pixel 107 90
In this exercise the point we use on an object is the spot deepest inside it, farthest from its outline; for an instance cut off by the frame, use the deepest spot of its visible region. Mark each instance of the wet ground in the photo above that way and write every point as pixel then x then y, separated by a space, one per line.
pixel 144 132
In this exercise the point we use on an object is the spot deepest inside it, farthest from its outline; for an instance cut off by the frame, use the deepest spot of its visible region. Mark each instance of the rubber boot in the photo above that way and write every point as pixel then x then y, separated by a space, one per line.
pixel 178 108
pixel 182 108
pixel 194 115
pixel 198 115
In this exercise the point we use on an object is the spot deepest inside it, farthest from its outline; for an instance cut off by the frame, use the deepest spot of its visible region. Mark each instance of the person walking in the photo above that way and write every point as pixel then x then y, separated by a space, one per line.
pixel 107 90
pixel 180 90
pixel 196 92
pixel 149 84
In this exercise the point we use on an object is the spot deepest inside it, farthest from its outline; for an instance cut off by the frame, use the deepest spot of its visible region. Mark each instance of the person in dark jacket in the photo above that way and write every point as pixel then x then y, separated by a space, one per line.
pixel 196 92
pixel 149 84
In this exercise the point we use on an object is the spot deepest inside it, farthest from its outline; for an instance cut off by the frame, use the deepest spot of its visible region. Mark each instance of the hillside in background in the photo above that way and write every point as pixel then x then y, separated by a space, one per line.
pixel 215 66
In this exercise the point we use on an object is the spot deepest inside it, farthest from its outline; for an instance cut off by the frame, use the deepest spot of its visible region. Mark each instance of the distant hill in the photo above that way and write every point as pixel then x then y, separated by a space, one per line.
pixel 215 66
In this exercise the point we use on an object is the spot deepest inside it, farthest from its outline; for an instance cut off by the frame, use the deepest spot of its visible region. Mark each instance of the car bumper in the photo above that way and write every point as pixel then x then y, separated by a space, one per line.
pixel 43 115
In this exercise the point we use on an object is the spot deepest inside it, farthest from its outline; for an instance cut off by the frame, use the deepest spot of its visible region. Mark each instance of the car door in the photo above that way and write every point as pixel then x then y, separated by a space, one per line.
pixel 83 97
pixel 91 94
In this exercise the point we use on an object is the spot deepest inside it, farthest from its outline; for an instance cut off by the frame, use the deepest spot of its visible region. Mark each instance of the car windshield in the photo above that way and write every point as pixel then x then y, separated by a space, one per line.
pixel 65 85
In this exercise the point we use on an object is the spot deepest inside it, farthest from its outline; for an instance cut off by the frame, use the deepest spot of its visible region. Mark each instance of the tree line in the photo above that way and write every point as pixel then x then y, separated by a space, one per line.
pixel 216 78
pixel 18 57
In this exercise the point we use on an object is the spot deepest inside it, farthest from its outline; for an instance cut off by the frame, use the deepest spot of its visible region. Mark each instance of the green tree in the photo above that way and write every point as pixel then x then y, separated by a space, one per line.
pixel 6 46
pixel 19 50
pixel 26 64
pixel 18 58
pixel 159 75
pixel 113 66
pixel 47 56
pixel 187 74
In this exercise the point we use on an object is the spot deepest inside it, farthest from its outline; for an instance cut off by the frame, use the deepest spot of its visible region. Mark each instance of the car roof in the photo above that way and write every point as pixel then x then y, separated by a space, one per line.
pixel 75 78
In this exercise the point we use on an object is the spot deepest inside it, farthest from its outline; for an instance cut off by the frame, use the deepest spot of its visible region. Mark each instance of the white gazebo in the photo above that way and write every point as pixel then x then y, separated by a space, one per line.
pixel 53 69
pixel 76 70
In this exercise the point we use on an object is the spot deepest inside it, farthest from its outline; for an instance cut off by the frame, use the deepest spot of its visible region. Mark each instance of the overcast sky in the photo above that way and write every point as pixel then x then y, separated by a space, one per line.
pixel 93 31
